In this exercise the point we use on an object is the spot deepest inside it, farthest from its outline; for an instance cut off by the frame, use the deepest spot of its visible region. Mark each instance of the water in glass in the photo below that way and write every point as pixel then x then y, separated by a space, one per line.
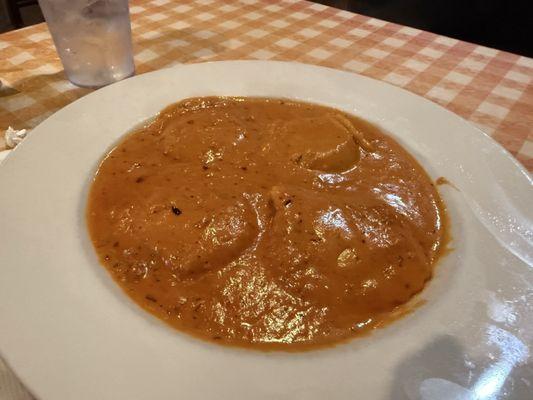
pixel 92 38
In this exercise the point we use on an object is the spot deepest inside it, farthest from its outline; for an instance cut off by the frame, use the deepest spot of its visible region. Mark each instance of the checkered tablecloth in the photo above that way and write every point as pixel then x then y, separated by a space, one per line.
pixel 491 88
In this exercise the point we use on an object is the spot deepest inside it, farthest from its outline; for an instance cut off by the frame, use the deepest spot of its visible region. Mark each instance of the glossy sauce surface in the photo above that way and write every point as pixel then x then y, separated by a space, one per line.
pixel 265 223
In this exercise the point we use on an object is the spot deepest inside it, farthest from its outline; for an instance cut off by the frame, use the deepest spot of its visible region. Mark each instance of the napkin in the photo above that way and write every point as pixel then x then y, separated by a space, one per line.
pixel 12 137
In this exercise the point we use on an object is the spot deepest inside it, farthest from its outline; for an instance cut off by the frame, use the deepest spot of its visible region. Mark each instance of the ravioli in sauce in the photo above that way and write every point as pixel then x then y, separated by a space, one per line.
pixel 265 223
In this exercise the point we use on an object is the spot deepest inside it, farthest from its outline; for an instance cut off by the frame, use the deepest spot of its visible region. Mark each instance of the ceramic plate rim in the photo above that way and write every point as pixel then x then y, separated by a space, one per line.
pixel 300 73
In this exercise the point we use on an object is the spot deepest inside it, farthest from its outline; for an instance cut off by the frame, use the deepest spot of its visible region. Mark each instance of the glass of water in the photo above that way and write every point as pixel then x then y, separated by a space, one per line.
pixel 92 38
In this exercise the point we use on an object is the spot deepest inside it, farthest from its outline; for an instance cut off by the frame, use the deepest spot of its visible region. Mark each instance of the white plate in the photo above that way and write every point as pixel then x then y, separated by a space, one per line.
pixel 70 333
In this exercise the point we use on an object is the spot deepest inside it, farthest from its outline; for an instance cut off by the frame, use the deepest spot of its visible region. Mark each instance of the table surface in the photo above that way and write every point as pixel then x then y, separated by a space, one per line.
pixel 491 88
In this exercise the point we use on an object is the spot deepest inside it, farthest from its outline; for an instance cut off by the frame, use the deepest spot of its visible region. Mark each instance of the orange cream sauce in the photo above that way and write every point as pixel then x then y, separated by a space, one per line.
pixel 265 223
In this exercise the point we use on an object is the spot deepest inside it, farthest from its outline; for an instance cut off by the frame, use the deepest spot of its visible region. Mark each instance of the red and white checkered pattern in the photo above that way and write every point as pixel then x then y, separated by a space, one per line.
pixel 491 88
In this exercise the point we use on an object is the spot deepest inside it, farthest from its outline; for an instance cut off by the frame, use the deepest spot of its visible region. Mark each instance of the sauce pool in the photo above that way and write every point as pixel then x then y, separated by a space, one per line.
pixel 265 223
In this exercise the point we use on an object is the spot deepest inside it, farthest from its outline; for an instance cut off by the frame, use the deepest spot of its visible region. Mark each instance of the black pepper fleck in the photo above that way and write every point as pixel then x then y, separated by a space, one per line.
pixel 176 210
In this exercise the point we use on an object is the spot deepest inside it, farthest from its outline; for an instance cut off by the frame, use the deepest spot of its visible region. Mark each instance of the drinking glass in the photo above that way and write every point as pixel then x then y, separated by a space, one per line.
pixel 92 38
